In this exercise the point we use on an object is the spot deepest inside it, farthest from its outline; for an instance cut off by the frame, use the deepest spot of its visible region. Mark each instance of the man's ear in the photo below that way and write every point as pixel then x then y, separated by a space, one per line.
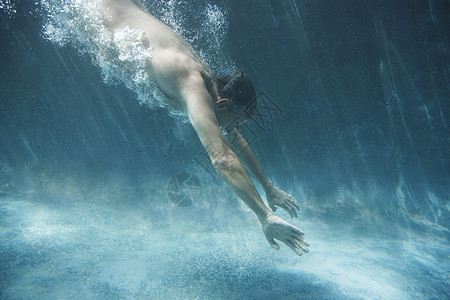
pixel 222 103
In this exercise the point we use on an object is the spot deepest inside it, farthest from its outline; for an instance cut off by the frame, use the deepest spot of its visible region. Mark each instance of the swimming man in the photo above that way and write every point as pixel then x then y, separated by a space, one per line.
pixel 215 106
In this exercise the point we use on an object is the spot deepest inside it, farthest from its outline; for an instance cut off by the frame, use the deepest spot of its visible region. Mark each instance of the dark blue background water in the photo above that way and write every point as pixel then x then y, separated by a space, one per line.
pixel 359 136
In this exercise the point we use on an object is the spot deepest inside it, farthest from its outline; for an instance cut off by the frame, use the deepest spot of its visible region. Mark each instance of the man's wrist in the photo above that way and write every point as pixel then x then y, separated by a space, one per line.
pixel 264 216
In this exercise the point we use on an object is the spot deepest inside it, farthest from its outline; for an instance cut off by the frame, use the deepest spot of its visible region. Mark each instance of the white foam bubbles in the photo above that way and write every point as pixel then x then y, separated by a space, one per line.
pixel 204 27
pixel 8 7
pixel 121 56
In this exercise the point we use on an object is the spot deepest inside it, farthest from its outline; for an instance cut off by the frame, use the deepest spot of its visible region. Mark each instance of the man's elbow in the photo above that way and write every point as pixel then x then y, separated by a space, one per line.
pixel 225 162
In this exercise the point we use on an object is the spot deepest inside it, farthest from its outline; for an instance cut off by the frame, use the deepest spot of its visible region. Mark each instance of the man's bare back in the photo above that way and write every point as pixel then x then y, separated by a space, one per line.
pixel 174 64
pixel 189 86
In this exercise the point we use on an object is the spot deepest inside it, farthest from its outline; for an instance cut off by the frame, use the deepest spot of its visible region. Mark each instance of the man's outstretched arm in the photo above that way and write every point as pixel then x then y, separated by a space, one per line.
pixel 201 114
pixel 275 196
pixel 200 110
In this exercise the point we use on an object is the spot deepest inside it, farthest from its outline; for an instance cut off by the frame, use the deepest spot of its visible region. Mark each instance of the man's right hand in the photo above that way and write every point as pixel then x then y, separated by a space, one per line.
pixel 276 228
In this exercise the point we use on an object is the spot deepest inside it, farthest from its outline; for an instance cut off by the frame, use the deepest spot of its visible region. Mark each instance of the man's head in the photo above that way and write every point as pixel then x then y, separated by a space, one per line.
pixel 235 100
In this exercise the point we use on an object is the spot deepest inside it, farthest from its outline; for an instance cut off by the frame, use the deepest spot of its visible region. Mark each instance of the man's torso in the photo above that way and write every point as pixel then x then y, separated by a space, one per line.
pixel 174 66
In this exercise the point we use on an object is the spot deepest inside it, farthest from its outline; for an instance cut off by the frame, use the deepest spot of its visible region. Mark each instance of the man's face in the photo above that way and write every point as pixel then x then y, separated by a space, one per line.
pixel 228 116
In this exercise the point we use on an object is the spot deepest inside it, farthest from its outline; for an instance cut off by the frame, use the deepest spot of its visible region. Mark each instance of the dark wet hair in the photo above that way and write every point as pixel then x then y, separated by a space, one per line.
pixel 239 89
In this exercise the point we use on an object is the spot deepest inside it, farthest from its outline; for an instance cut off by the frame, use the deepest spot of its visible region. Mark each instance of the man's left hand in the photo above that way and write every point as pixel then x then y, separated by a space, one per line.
pixel 278 198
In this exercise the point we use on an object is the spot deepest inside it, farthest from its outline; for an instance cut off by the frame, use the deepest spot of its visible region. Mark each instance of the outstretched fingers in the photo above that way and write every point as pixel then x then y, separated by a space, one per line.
pixel 297 242
pixel 295 203
pixel 294 247
pixel 298 231
pixel 298 236
pixel 293 206
pixel 290 208
pixel 294 212
pixel 300 243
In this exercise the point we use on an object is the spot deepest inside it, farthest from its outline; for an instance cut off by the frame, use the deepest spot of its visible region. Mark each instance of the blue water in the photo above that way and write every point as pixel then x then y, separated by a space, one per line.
pixel 354 108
